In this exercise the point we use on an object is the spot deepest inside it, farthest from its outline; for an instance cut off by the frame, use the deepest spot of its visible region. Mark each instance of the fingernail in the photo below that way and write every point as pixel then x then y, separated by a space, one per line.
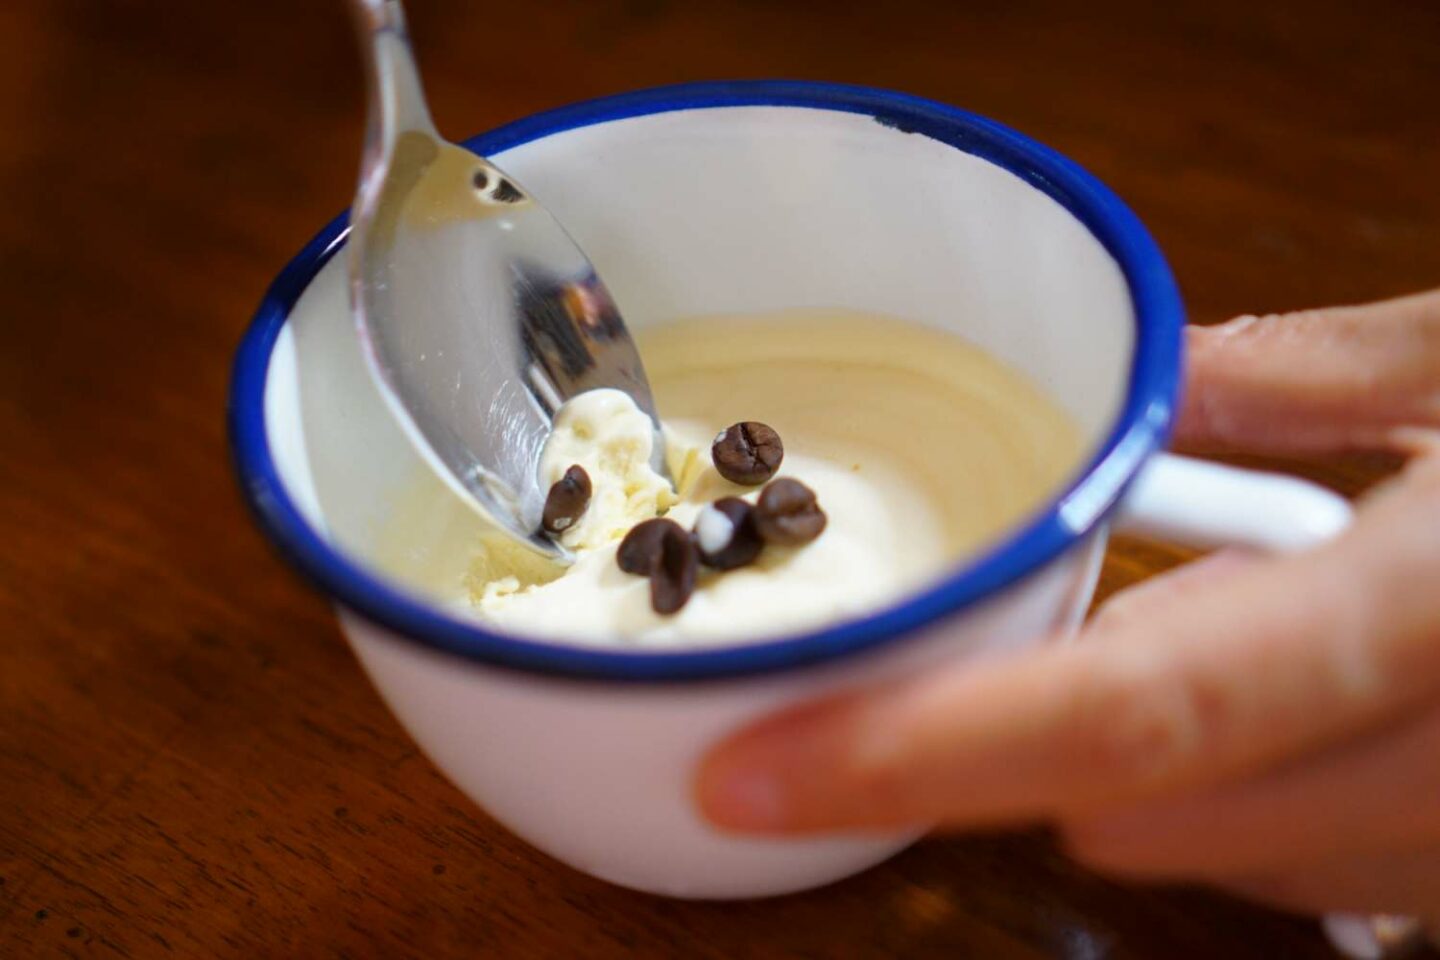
pixel 1235 324
pixel 743 800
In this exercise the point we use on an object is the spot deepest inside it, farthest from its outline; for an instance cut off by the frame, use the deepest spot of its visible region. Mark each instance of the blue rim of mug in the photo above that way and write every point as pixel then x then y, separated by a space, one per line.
pixel 1141 428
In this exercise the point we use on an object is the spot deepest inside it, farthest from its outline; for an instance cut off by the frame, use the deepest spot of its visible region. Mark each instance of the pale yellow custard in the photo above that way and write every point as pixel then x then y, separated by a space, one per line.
pixel 922 449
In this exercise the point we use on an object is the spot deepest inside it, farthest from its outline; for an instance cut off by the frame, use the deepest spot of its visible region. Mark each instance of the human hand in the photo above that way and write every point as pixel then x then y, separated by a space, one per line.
pixel 1270 725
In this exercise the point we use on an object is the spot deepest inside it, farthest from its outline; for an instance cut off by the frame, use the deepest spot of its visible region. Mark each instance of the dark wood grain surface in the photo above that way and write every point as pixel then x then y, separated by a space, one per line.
pixel 191 763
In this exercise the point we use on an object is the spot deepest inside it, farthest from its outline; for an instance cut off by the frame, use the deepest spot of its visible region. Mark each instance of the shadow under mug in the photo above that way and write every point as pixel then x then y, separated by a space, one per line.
pixel 734 198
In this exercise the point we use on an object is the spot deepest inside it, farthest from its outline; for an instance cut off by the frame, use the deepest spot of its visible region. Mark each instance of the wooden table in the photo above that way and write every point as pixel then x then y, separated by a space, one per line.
pixel 191 763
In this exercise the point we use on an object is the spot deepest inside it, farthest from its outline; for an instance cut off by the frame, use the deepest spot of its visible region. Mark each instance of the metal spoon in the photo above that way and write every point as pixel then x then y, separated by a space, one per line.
pixel 479 314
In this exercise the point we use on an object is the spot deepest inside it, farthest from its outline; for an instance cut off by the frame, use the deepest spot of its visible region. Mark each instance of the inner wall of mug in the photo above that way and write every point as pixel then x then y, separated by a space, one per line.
pixel 730 210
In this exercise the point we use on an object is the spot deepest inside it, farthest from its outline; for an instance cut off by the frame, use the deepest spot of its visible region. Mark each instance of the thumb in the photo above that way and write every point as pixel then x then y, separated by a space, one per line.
pixel 1262 661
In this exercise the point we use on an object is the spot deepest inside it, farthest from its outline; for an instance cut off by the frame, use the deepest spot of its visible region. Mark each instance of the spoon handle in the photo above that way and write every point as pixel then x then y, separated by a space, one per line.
pixel 395 98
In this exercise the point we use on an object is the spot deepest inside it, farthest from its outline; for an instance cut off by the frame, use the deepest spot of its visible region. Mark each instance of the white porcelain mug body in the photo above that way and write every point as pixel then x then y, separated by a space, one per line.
pixel 599 775
pixel 700 206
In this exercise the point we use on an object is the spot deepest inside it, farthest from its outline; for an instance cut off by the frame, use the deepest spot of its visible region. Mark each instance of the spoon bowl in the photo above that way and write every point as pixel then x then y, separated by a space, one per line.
pixel 478 313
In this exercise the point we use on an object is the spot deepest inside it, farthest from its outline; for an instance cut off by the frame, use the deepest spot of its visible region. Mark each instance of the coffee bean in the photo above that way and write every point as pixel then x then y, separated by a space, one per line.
pixel 747 453
pixel 640 550
pixel 672 579
pixel 567 500
pixel 726 535
pixel 787 513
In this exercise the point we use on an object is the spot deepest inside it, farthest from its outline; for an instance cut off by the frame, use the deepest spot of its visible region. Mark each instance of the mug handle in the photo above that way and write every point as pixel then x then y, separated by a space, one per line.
pixel 1206 505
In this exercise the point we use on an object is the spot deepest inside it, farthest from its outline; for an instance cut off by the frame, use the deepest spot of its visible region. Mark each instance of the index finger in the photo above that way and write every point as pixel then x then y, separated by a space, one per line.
pixel 1258 665
pixel 1315 381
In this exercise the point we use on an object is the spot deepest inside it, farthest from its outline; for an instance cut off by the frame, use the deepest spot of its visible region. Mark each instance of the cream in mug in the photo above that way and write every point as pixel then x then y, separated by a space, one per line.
pixel 921 448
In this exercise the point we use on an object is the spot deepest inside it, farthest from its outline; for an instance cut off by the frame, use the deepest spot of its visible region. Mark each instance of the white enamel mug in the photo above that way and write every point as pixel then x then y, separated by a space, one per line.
pixel 734 198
